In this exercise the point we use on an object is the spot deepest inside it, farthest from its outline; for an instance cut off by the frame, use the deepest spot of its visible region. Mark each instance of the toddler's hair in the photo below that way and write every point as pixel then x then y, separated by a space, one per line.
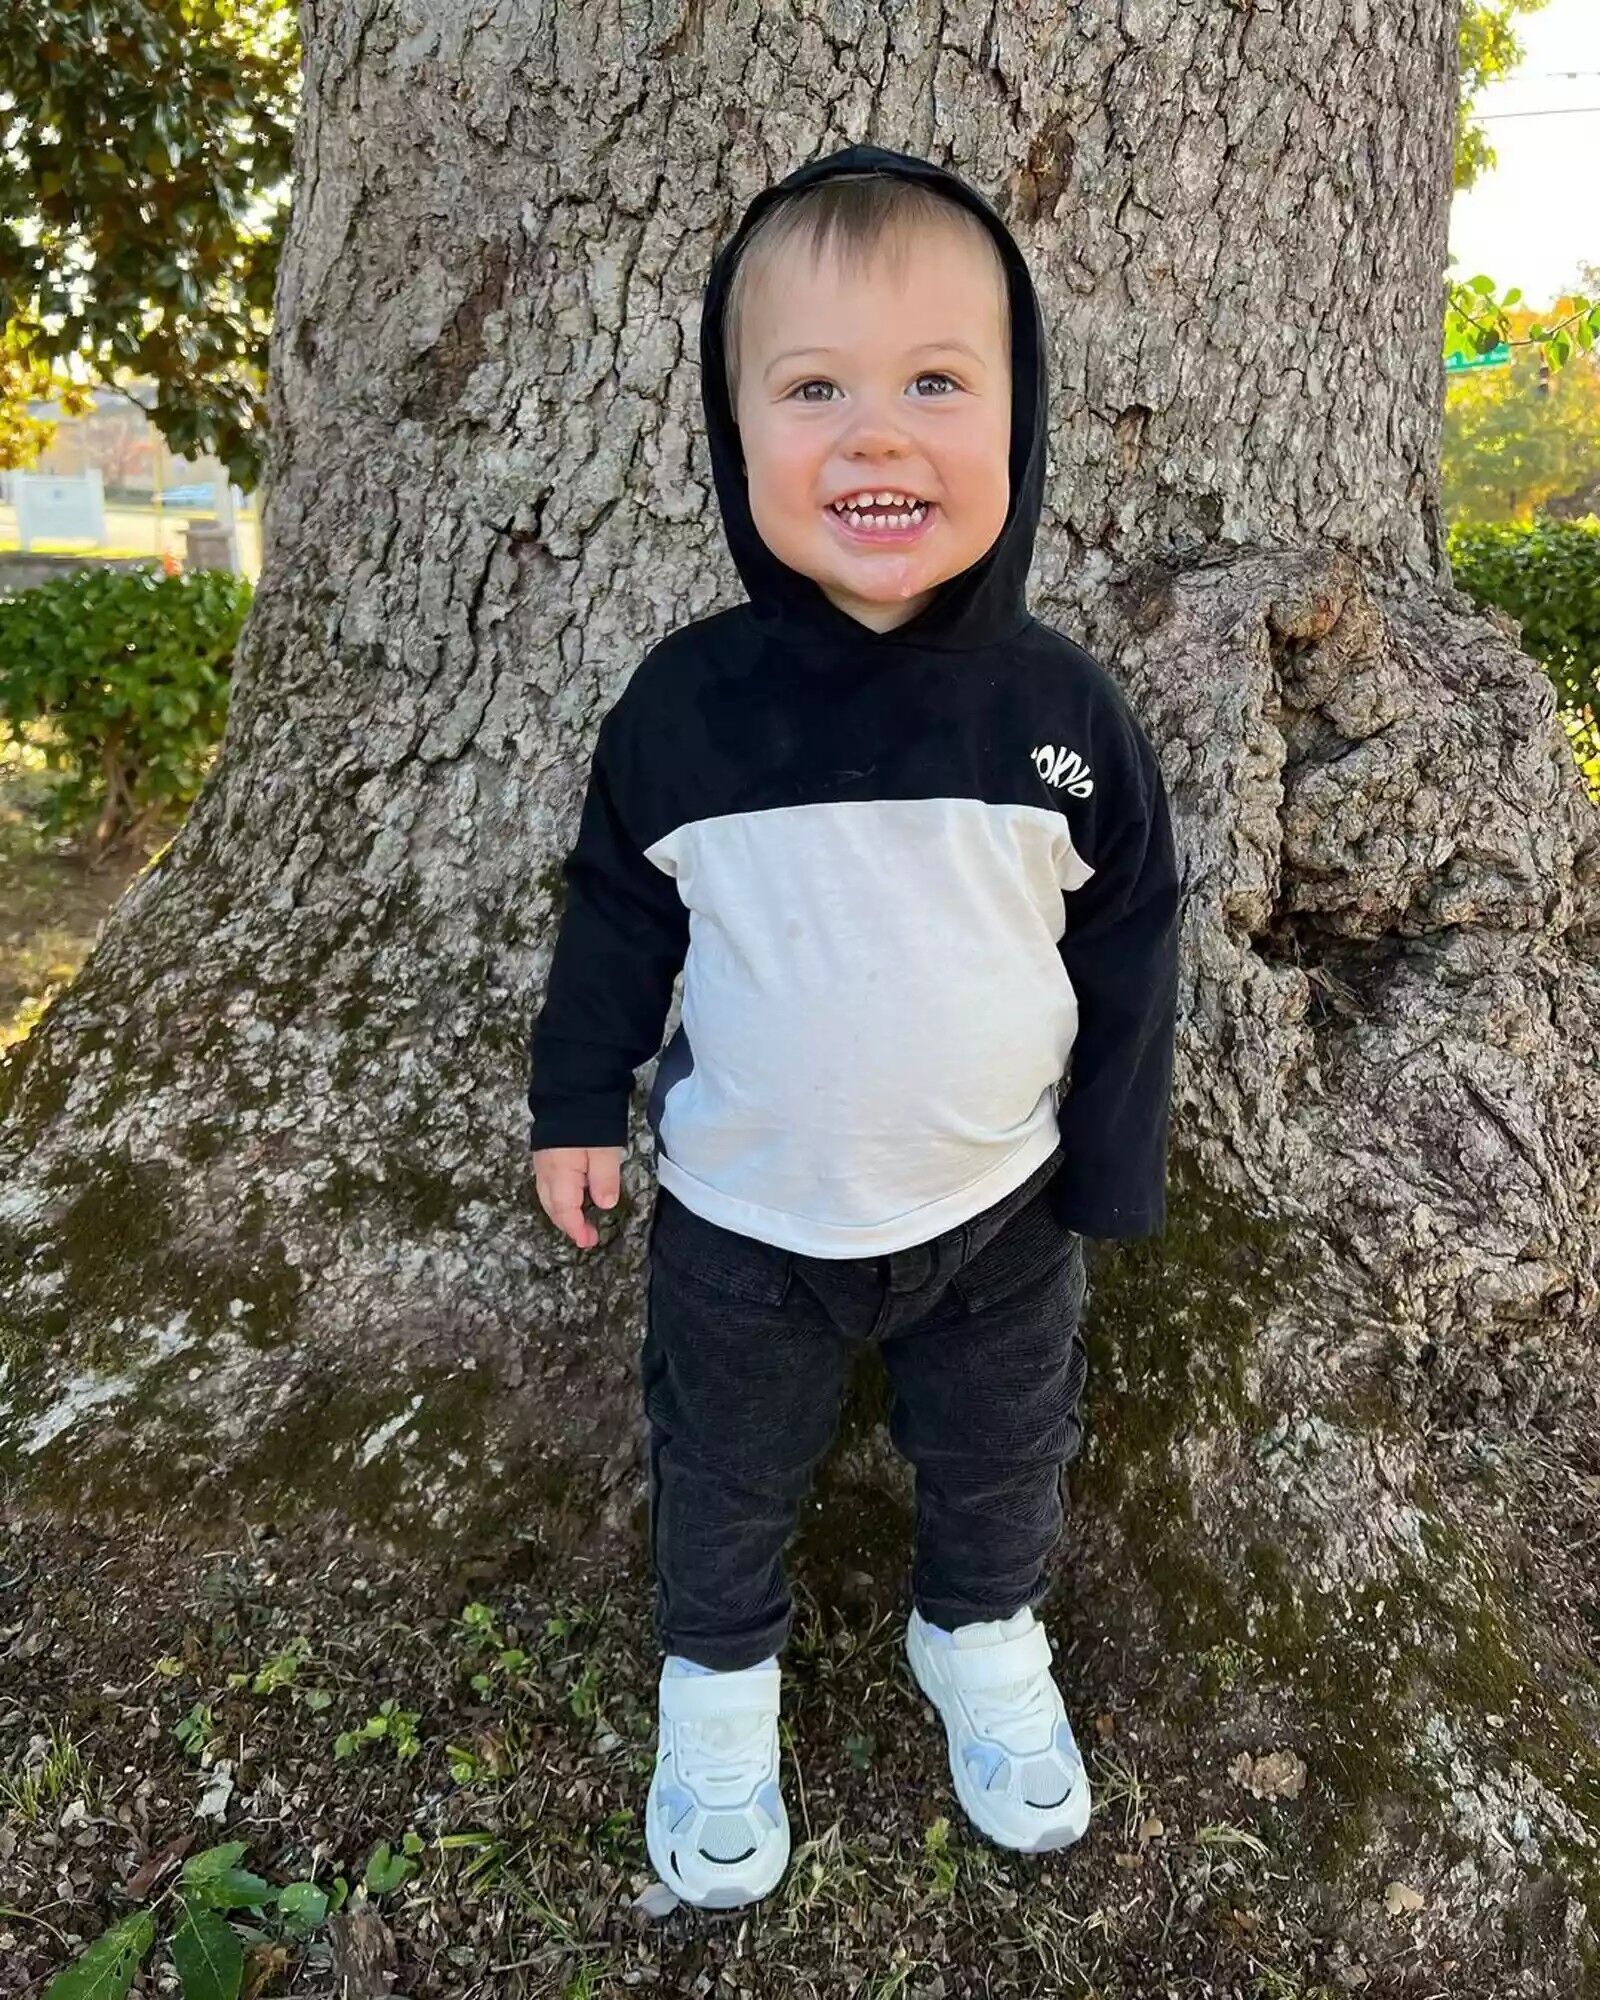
pixel 860 214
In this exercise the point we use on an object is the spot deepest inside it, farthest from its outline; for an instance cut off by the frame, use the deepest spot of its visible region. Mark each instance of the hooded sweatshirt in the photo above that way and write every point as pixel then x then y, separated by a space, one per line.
pixel 920 884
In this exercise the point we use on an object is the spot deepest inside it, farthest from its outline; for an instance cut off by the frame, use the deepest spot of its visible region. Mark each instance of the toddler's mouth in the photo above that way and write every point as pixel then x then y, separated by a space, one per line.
pixel 881 515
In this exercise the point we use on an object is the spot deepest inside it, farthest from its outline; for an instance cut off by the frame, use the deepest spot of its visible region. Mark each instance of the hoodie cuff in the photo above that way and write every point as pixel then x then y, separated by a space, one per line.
pixel 1080 1208
pixel 601 1120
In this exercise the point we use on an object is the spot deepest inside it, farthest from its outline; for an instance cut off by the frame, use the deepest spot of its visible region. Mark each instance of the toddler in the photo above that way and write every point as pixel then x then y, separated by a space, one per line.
pixel 911 851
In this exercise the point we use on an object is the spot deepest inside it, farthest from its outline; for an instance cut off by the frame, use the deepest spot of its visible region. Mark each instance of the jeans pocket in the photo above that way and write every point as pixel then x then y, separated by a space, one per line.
pixel 1030 1246
pixel 703 1253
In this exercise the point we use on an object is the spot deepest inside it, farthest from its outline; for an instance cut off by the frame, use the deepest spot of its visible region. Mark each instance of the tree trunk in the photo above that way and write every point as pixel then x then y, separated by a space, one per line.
pixel 269 1231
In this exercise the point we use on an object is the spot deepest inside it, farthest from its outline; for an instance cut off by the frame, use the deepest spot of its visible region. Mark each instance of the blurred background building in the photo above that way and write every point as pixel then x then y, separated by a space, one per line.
pixel 151 495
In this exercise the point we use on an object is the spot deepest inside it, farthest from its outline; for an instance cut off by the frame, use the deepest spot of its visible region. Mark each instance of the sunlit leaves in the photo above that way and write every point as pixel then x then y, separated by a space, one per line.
pixel 144 164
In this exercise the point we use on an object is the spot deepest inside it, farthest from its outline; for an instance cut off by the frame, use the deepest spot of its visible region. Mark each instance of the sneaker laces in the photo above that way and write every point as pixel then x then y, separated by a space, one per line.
pixel 1020 1717
pixel 725 1748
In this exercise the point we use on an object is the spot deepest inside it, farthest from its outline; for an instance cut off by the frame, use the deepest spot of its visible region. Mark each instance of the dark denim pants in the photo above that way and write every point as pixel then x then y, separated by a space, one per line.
pixel 747 1351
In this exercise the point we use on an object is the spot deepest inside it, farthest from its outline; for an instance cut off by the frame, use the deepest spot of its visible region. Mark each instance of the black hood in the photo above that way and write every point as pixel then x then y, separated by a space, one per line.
pixel 980 605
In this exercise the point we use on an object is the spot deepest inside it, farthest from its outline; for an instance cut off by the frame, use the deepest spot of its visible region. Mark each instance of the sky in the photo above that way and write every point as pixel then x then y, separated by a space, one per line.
pixel 1530 219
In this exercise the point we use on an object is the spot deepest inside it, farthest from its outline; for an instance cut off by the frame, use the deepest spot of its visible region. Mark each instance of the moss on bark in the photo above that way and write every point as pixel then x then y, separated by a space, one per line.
pixel 1357 1668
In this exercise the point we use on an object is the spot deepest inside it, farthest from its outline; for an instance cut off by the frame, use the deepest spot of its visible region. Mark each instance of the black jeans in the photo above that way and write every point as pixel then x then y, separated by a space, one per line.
pixel 746 1354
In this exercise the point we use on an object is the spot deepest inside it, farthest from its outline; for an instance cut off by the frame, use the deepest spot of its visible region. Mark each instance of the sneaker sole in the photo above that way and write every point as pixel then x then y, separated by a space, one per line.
pixel 1050 1838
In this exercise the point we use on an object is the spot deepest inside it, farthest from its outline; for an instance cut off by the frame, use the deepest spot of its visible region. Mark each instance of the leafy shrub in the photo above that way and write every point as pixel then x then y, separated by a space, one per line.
pixel 130 669
pixel 1547 577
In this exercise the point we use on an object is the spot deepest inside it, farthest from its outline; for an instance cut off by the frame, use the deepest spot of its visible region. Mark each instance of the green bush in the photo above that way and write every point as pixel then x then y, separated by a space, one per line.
pixel 130 671
pixel 1547 577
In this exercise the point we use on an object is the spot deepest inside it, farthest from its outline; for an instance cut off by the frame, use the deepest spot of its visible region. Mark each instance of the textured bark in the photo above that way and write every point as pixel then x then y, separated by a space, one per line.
pixel 265 1200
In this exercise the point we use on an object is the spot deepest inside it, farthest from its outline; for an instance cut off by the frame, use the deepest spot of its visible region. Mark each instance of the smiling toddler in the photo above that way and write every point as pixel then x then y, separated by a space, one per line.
pixel 910 850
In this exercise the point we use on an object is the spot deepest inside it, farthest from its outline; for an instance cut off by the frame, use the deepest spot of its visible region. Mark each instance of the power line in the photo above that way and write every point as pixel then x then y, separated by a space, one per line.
pixel 1551 111
pixel 1518 76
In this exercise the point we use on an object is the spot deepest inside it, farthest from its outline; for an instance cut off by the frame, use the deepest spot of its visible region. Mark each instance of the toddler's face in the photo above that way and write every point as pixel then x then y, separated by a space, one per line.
pixel 903 387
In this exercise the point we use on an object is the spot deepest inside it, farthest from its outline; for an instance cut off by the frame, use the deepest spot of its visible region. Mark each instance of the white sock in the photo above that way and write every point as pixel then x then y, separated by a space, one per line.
pixel 1019 1621
pixel 677 1664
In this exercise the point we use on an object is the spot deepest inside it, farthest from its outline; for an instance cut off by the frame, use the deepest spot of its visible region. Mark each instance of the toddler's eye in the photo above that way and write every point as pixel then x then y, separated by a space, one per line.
pixel 821 382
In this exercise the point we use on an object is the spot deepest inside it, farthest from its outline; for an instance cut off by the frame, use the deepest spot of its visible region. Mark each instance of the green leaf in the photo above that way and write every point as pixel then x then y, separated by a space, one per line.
pixel 105 1970
pixel 232 1889
pixel 209 1958
pixel 386 1870
pixel 212 1881
pixel 302 1905
pixel 213 1861
pixel 860 1749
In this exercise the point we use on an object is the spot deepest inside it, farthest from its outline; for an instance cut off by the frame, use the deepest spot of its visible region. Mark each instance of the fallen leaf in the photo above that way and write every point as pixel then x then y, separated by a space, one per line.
pixel 1400 1897
pixel 214 1800
pixel 1104 1726
pixel 1151 1828
pixel 1278 1775
pixel 138 1884
pixel 264 1965
pixel 489 1746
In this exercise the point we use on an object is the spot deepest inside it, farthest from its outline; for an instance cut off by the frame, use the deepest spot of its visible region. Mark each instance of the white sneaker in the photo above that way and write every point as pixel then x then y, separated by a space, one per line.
pixel 715 1824
pixel 1016 1765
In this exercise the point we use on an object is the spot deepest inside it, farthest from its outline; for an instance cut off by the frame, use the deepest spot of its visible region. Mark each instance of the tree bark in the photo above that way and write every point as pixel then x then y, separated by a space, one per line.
pixel 269 1235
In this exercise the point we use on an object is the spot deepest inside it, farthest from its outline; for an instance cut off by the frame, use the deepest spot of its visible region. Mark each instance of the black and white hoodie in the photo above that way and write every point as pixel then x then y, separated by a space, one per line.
pixel 921 886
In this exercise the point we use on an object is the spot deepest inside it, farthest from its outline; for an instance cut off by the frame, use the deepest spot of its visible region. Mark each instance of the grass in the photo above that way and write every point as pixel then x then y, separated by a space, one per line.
pixel 1117 1782
pixel 52 1772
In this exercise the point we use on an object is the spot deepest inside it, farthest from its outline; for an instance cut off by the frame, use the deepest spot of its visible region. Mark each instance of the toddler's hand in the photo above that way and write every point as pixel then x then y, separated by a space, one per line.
pixel 562 1173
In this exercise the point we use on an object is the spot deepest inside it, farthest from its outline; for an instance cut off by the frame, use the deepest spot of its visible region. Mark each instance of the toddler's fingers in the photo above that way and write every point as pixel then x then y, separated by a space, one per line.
pixel 569 1218
pixel 561 1188
pixel 605 1179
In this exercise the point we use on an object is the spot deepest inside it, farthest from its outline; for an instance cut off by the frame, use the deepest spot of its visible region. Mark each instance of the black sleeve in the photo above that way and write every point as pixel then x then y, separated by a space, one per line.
pixel 1120 948
pixel 623 939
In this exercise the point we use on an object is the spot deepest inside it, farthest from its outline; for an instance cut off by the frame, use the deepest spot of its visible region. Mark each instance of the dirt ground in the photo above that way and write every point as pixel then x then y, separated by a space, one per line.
pixel 160 1695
